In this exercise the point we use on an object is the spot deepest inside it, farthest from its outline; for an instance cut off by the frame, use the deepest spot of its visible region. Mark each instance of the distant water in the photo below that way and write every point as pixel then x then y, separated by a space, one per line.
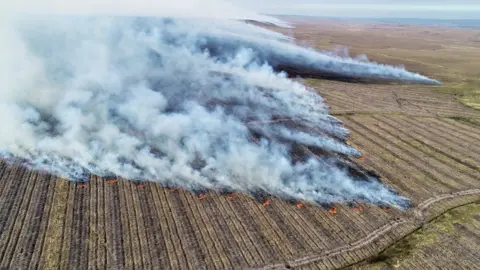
pixel 468 23
pixel 461 23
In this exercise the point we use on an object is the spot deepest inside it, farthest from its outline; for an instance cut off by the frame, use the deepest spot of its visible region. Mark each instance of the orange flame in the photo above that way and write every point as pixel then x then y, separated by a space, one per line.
pixel 140 186
pixel 299 205
pixel 267 202
pixel 229 196
pixel 79 186
pixel 112 181
pixel 358 208
pixel 333 210
pixel 202 196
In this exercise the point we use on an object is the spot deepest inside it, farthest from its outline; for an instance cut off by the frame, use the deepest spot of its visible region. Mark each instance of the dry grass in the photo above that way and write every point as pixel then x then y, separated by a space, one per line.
pixel 419 139
pixel 455 232
pixel 448 54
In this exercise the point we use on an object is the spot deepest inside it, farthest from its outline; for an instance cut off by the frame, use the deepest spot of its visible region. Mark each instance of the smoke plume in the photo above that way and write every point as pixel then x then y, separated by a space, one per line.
pixel 182 98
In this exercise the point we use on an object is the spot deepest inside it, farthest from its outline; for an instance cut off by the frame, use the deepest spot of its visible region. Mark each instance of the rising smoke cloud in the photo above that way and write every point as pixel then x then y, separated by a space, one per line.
pixel 194 102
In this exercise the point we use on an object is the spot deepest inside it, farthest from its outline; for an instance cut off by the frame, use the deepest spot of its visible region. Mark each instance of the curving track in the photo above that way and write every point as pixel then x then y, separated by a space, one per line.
pixel 419 219
pixel 405 133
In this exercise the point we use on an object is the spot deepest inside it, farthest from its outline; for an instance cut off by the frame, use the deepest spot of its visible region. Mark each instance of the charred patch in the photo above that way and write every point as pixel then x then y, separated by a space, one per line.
pixel 260 196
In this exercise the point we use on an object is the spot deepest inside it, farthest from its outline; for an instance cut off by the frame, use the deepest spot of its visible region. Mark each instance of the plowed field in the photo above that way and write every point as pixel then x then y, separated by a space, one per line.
pixel 421 140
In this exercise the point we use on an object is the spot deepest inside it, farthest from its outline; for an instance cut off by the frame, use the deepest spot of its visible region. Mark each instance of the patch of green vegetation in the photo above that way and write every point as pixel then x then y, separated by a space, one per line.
pixel 467 92
pixel 389 157
pixel 469 120
pixel 427 236
pixel 312 82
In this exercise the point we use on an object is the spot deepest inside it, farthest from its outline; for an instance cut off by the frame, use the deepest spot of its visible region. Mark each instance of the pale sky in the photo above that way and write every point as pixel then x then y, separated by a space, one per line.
pixel 439 9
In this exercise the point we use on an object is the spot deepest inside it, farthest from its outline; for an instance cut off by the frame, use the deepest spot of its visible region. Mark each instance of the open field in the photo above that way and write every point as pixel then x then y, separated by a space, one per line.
pixel 451 55
pixel 421 140
pixel 48 222
pixel 453 235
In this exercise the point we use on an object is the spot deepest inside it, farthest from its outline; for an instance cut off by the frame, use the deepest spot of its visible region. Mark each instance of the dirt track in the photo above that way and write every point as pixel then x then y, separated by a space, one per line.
pixel 406 134
pixel 376 234
pixel 185 232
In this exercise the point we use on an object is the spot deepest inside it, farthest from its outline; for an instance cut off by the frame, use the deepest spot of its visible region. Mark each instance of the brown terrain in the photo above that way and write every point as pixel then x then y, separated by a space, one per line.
pixel 424 141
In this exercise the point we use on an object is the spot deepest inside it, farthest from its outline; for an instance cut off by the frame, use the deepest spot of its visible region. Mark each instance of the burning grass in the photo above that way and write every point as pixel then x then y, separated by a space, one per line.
pixel 188 103
pixel 450 54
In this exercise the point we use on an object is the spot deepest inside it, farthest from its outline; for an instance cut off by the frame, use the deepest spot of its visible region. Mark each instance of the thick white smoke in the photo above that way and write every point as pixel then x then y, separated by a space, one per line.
pixel 177 101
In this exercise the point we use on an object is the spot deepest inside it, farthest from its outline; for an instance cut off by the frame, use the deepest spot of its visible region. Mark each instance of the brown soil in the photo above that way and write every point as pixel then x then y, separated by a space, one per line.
pixel 421 140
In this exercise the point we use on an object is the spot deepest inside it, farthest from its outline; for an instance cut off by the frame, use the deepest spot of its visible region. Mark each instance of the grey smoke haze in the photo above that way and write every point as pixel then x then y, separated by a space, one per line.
pixel 430 9
pixel 177 101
